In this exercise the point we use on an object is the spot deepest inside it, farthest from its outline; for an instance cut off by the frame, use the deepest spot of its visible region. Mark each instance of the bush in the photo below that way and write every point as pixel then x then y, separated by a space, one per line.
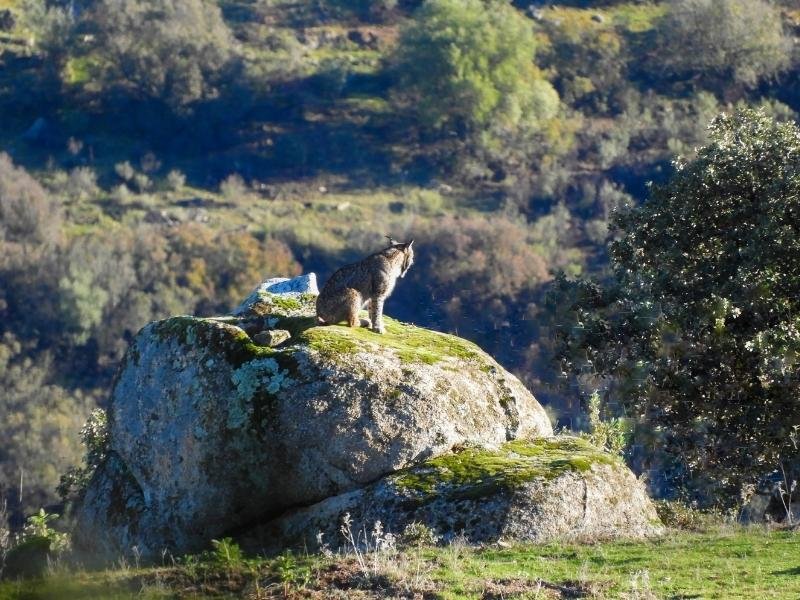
pixel 40 423
pixel 466 66
pixel 697 328
pixel 125 171
pixel 233 188
pixel 175 180
pixel 726 43
pixel 589 61
pixel 94 435
pixel 31 556
pixel 27 215
pixel 175 51
pixel 82 183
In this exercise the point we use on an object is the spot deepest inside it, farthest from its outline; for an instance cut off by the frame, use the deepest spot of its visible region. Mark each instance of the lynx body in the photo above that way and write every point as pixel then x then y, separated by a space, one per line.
pixel 365 283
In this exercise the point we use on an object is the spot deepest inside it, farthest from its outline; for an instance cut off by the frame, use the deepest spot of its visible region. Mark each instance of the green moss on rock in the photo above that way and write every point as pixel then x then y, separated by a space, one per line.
pixel 475 473
pixel 408 342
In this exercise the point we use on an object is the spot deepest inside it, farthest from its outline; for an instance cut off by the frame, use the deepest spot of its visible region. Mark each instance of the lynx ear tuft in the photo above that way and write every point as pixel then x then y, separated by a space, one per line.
pixel 408 245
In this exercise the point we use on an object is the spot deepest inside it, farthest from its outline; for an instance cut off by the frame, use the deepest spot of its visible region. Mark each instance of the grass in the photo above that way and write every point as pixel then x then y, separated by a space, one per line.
pixel 727 563
pixel 633 18
pixel 732 564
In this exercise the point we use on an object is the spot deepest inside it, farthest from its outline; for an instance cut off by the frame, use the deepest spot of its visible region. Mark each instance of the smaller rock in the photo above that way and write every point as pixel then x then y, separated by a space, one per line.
pixel 598 18
pixel 302 284
pixel 273 337
pixel 280 295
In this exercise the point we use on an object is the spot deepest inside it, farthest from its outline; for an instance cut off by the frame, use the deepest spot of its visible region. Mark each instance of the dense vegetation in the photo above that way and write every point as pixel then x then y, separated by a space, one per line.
pixel 164 156
pixel 696 330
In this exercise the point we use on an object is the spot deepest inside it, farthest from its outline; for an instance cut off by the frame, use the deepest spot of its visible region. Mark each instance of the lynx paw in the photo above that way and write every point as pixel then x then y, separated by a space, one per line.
pixel 379 329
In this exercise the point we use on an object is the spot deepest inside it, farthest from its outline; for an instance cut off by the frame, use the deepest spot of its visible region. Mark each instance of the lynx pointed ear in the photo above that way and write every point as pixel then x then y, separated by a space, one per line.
pixel 408 245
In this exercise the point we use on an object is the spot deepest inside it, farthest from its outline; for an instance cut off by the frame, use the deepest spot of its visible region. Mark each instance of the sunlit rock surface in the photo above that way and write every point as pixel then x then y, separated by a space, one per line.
pixel 557 488
pixel 211 433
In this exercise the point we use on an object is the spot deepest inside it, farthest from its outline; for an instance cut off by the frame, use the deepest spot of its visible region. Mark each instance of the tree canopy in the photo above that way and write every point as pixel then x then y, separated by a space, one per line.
pixel 472 65
pixel 698 331
pixel 723 41
pixel 170 50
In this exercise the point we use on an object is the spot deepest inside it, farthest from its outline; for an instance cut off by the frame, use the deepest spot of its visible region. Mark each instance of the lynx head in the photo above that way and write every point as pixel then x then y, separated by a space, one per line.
pixel 407 252
pixel 408 257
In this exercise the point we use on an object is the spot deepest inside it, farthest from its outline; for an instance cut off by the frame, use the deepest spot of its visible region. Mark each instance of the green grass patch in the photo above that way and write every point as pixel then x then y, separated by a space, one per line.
pixel 631 18
pixel 728 563
pixel 736 564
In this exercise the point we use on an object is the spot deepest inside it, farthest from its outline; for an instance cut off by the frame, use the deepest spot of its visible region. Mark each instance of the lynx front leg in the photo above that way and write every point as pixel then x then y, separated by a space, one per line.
pixel 376 314
pixel 366 322
pixel 353 306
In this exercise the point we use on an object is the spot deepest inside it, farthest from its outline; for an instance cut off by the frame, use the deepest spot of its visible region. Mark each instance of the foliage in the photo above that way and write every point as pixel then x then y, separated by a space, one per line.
pixel 290 572
pixel 94 435
pixel 38 525
pixel 40 424
pixel 588 59
pixel 370 10
pixel 696 330
pixel 27 215
pixel 611 434
pixel 418 534
pixel 679 515
pixel 227 553
pixel 466 66
pixel 176 51
pixel 36 547
pixel 51 26
pixel 722 42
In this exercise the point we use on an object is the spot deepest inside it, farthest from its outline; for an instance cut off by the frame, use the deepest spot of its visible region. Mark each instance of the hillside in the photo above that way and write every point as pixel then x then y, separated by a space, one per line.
pixel 296 137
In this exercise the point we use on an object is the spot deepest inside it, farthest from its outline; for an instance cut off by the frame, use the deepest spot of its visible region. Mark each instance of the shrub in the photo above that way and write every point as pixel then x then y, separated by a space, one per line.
pixel 82 183
pixel 94 436
pixel 175 51
pixel 723 42
pixel 38 544
pixel 125 171
pixel 233 188
pixel 467 66
pixel 175 180
pixel 40 423
pixel 227 553
pixel 697 328
pixel 142 182
pixel 27 215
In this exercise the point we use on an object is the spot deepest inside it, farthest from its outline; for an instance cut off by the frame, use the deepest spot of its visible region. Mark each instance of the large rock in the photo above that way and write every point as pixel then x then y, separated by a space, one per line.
pixel 526 490
pixel 210 432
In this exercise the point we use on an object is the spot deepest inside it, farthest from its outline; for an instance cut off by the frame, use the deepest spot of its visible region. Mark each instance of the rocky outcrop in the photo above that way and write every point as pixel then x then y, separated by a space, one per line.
pixel 210 432
pixel 525 490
